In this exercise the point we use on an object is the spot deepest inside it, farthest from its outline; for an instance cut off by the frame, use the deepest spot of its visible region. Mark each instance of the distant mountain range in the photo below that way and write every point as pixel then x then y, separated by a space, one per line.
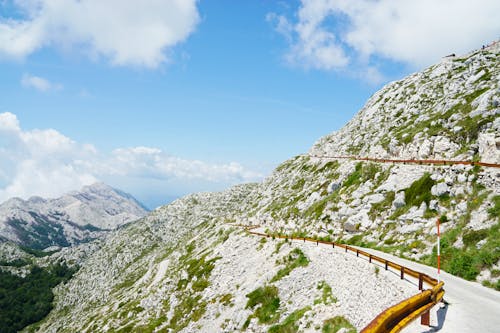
pixel 75 217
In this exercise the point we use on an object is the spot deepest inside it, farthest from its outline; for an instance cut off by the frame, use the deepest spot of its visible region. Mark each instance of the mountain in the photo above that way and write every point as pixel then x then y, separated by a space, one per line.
pixel 188 267
pixel 74 218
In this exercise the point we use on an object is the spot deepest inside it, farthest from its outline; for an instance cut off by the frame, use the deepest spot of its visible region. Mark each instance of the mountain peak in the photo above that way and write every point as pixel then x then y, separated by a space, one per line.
pixel 75 217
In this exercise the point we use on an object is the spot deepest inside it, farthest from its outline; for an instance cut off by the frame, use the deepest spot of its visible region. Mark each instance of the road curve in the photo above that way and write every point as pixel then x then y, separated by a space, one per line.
pixel 472 307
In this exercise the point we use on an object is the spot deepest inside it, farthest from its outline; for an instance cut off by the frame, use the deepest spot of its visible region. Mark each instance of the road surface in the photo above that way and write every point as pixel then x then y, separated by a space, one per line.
pixel 471 306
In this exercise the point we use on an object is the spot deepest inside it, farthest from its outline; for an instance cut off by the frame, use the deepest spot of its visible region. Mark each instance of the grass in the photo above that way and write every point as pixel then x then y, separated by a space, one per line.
pixel 265 302
pixel 190 309
pixel 495 211
pixel 471 128
pixel 326 294
pixel 418 192
pixel 317 208
pixel 296 258
pixel 289 325
pixel 334 324
pixel 361 174
pixel 382 205
pixel 469 261
pixel 226 299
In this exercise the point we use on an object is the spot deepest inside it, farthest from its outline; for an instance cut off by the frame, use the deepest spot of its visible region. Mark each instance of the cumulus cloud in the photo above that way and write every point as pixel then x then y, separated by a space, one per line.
pixel 39 83
pixel 48 163
pixel 353 35
pixel 135 32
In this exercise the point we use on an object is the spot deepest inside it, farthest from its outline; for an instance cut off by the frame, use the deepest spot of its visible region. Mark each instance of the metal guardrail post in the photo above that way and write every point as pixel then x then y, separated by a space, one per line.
pixel 386 263
pixel 420 282
pixel 426 319
pixel 370 258
pixel 402 272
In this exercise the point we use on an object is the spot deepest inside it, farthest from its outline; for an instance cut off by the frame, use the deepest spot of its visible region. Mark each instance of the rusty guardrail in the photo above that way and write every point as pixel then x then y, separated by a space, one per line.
pixel 411 161
pixel 395 318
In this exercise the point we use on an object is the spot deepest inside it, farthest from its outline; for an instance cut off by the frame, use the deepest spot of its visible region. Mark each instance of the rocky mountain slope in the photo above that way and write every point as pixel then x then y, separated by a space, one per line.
pixel 74 218
pixel 448 111
pixel 185 268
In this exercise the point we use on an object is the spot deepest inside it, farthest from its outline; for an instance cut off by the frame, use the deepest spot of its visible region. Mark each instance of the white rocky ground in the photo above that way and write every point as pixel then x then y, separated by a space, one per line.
pixel 360 292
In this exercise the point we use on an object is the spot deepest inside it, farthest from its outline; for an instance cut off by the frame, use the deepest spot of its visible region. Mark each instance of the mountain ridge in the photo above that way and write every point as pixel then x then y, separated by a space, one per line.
pixel 75 217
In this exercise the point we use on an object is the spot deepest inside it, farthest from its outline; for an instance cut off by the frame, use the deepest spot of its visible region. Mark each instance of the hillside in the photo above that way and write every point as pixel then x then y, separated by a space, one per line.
pixel 186 268
pixel 448 111
pixel 76 217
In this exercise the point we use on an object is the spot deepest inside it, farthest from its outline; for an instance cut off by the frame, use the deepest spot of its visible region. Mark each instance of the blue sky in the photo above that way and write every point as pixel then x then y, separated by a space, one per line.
pixel 199 95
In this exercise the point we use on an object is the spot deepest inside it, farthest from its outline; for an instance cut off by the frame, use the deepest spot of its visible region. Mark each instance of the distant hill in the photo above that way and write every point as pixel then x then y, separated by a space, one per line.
pixel 74 218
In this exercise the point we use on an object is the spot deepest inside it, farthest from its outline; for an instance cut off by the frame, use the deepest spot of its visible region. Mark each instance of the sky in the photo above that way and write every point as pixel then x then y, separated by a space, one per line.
pixel 161 98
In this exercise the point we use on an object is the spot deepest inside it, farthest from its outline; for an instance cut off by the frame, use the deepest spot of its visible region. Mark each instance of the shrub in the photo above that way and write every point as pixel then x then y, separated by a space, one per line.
pixel 471 237
pixel 419 191
pixel 267 298
pixel 495 211
pixel 289 324
pixel 295 259
pixel 463 265
pixel 334 324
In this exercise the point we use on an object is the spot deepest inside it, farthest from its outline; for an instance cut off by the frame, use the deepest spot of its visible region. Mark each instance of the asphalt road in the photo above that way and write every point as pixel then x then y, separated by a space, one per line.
pixel 471 306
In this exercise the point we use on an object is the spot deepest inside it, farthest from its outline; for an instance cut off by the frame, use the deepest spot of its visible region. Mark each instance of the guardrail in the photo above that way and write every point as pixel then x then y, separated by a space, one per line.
pixel 395 318
pixel 411 161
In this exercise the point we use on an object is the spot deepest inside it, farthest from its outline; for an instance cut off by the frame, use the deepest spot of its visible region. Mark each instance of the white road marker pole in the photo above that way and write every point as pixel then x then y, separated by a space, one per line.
pixel 438 251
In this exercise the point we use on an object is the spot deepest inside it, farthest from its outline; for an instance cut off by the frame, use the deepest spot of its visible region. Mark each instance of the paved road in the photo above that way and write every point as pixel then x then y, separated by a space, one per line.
pixel 472 307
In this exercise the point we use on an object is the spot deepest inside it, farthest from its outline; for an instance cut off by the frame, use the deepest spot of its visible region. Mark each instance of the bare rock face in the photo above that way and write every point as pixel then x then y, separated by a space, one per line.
pixel 74 218
pixel 489 147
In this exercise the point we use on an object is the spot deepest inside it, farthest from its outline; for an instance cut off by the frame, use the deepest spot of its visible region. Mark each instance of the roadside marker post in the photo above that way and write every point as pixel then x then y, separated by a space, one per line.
pixel 438 252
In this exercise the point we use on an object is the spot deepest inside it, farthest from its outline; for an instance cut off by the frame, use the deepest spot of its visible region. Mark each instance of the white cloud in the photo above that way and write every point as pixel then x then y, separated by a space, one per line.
pixel 134 32
pixel 353 35
pixel 39 83
pixel 47 163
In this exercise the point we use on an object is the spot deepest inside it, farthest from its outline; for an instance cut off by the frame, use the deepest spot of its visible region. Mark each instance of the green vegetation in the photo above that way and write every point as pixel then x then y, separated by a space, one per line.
pixel 279 245
pixel 382 205
pixel 14 263
pixel 266 302
pixel 362 173
pixel 296 258
pixel 418 192
pixel 289 324
pixel 24 301
pixel 334 324
pixel 190 309
pixel 326 294
pixel 226 299
pixel 316 209
pixel 469 261
pixel 262 241
pixel 36 252
pixel 298 185
pixel 471 128
pixel 495 211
